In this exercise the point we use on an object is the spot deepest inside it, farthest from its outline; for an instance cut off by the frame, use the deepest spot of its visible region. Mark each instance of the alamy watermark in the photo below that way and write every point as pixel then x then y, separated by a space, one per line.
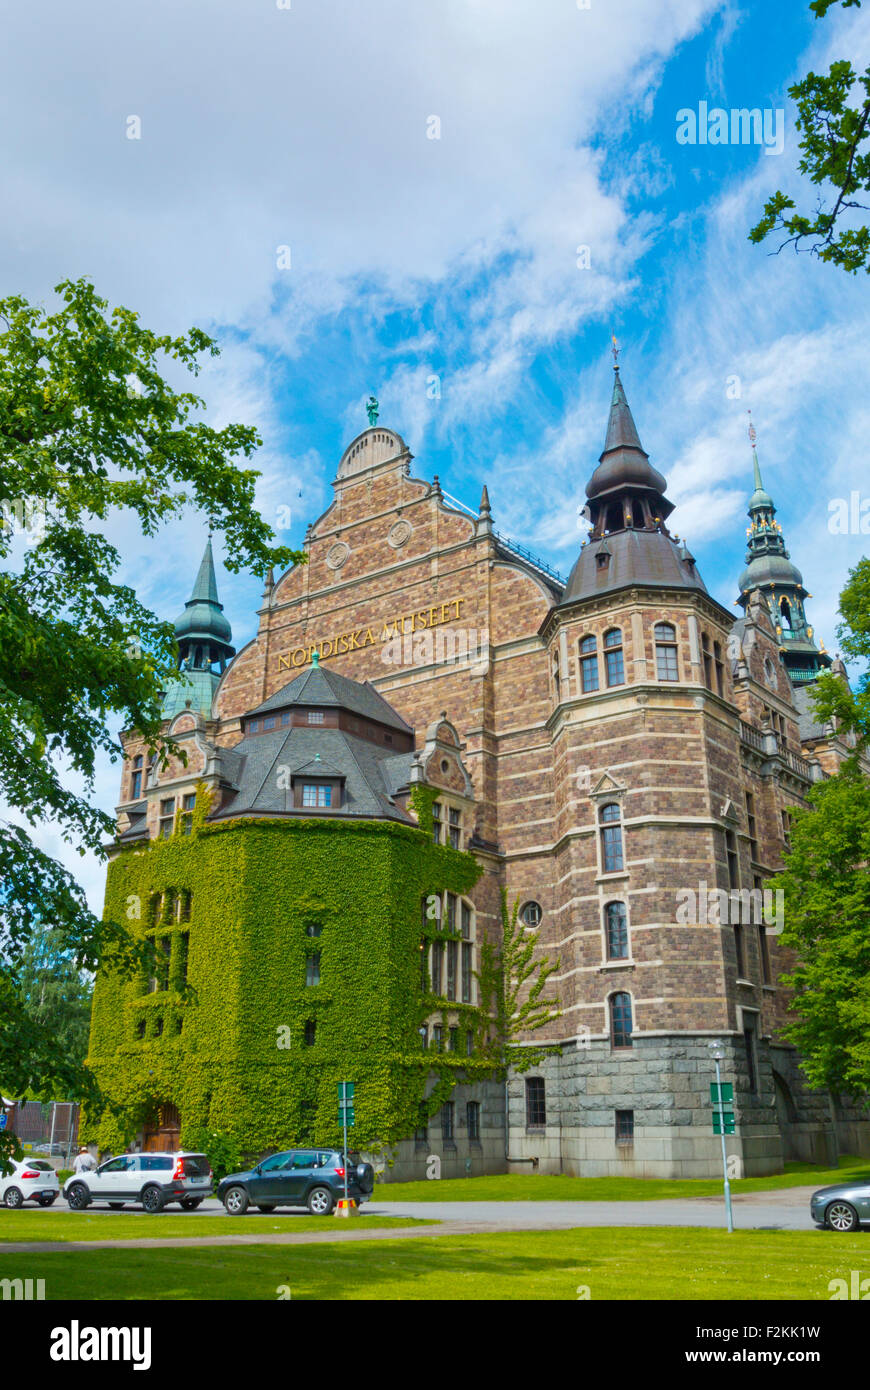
pixel 735 907
pixel 23 516
pixel 739 126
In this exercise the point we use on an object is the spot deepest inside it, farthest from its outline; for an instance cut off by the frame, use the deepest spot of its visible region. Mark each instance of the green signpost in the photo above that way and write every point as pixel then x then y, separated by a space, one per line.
pixel 346 1118
pixel 720 1096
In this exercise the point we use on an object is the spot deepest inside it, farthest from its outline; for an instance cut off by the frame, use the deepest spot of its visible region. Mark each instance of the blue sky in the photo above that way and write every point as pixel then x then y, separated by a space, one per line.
pixel 307 127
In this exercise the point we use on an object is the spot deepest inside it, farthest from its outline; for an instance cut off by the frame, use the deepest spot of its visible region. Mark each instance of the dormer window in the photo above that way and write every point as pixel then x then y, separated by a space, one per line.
pixel 602 559
pixel 315 716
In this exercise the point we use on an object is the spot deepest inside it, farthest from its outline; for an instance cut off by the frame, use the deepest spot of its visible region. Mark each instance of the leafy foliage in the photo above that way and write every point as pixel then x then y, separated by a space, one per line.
pixel 826 883
pixel 850 709
pixel 230 1050
pixel 835 149
pixel 89 425
pixel 514 974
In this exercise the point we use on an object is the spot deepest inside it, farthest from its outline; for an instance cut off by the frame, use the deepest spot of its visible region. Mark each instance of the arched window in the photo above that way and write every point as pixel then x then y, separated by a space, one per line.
pixel 617 931
pixel 588 665
pixel 707 660
pixel 611 839
pixel 785 612
pixel 613 664
pixel 531 914
pixel 720 668
pixel 136 780
pixel 666 652
pixel 637 514
pixel 620 1020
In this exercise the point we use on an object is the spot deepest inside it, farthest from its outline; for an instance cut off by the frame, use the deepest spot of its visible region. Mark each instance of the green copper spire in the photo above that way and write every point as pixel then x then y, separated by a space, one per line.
pixel 204 642
pixel 770 570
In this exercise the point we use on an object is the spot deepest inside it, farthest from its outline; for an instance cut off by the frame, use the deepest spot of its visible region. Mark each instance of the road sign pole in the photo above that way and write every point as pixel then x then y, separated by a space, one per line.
pixel 346 1159
pixel 724 1155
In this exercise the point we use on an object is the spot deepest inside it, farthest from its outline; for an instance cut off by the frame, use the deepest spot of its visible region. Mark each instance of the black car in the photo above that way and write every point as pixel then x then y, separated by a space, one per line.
pixel 312 1178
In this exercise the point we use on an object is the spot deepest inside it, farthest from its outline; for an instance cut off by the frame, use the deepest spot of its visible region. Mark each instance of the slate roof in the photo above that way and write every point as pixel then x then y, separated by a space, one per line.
pixel 372 775
pixel 321 686
pixel 636 557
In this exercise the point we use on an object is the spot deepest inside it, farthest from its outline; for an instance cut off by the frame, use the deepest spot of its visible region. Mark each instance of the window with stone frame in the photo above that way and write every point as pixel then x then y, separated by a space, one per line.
pixel 448 1121
pixel 454 828
pixel 613 663
pixel 720 668
pixel 612 859
pixel 436 822
pixel 166 823
pixel 707 660
pixel 763 943
pixel 625 1126
pixel 136 778
pixel 616 921
pixel 185 819
pixel 667 667
pixel 588 665
pixel 536 1102
pixel 620 1021
pixel 472 1121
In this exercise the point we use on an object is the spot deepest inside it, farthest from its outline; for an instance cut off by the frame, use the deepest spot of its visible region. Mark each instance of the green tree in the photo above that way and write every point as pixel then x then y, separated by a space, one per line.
pixel 834 121
pixel 834 700
pixel 514 975
pixel 55 993
pixel 89 426
pixel 826 883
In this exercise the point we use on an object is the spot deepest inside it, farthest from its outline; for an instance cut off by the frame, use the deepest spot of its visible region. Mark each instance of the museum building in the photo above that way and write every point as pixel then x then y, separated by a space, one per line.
pixel 613 751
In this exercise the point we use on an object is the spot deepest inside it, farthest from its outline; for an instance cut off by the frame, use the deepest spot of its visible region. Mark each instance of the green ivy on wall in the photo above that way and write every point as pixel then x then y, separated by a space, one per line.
pixel 228 1046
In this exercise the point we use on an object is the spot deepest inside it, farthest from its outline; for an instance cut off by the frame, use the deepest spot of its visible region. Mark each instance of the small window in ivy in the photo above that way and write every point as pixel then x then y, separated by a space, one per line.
pixel 454 1040
pixel 314 929
pixel 310 1032
pixel 312 968
pixel 438 1037
pixel 158 1027
pixel 167 817
pixel 140 1028
pixel 469 1043
pixel 186 818
pixel 436 822
pixel 181 959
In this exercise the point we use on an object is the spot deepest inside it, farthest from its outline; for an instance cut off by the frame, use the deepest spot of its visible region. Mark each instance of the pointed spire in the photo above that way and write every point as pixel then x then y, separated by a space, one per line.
pixel 484 509
pixel 269 585
pixel 621 429
pixel 205 587
pixel 484 515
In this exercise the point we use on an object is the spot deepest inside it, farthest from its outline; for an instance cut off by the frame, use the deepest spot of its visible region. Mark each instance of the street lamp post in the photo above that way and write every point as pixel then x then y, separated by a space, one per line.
pixel 717 1052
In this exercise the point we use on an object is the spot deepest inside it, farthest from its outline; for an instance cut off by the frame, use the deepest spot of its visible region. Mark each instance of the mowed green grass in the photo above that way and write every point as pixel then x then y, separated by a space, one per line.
pixel 561 1187
pixel 110 1225
pixel 646 1263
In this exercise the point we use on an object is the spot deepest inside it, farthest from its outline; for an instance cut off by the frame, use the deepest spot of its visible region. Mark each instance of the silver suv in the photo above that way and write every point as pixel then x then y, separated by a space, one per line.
pixel 150 1179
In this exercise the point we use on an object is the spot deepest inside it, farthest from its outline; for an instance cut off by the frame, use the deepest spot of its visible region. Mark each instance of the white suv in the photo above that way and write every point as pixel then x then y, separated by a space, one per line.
pixel 151 1179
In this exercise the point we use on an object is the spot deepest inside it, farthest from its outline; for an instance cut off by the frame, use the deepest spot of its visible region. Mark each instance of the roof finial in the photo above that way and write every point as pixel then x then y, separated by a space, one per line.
pixel 315 660
pixel 615 351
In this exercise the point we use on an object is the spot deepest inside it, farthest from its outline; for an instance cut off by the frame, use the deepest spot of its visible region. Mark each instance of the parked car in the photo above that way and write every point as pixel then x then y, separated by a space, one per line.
pixel 153 1180
pixel 31 1180
pixel 843 1207
pixel 312 1178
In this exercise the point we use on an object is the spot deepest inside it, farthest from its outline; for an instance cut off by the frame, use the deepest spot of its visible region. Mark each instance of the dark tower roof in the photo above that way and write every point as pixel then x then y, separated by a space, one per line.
pixel 629 542
pixel 319 687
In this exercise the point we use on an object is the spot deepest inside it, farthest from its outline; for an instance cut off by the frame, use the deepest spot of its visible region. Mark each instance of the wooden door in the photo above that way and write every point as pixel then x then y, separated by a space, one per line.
pixel 161 1135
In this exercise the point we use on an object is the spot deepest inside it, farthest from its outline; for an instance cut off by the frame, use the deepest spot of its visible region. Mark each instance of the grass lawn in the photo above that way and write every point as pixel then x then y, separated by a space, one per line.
pixel 640 1264
pixel 110 1225
pixel 560 1187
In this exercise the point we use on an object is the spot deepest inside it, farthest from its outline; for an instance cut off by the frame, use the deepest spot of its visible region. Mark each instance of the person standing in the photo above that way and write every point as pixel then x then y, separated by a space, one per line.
pixel 84 1162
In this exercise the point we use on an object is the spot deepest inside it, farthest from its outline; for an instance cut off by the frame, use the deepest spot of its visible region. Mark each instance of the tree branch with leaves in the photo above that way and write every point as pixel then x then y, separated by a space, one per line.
pixel 513 980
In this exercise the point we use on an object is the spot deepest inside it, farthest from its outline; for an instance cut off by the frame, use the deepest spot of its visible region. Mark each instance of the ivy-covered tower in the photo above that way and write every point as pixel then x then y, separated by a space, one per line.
pixel 204 636
pixel 770 570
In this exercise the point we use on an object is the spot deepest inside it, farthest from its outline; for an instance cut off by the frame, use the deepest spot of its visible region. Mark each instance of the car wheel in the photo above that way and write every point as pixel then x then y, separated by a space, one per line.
pixel 190 1203
pixel 78 1197
pixel 152 1200
pixel 236 1201
pixel 320 1201
pixel 841 1216
pixel 116 1206
pixel 13 1198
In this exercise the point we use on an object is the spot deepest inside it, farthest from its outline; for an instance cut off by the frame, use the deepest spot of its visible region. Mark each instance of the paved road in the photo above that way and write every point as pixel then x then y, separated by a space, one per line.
pixel 785 1210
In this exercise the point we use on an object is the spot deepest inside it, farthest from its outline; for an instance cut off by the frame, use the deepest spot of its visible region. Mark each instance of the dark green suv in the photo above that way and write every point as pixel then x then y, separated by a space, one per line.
pixel 312 1178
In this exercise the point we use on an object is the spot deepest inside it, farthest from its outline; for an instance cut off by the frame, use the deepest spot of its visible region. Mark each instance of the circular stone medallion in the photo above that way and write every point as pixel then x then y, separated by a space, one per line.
pixel 337 555
pixel 399 534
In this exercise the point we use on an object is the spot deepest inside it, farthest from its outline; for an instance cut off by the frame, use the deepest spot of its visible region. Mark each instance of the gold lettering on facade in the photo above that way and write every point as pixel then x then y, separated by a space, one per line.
pixel 355 641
